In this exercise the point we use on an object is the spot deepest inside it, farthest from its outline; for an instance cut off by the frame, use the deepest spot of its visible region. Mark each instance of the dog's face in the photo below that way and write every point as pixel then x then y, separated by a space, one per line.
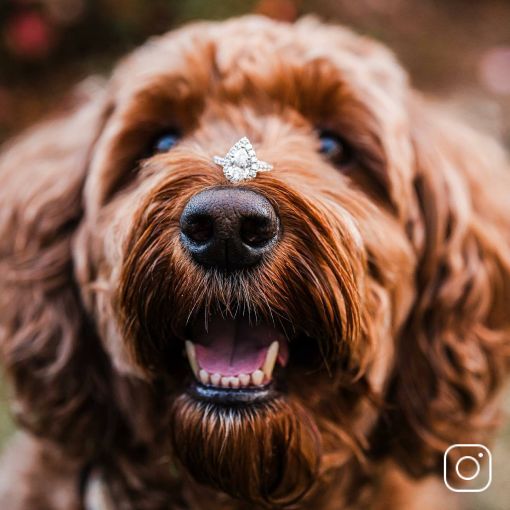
pixel 280 314
pixel 288 289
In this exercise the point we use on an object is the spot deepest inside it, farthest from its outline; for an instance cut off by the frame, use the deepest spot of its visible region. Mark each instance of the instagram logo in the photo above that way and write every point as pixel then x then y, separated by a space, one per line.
pixel 463 468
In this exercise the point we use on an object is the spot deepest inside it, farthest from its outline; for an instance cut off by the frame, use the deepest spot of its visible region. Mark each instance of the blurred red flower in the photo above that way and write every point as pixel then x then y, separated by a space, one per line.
pixel 28 35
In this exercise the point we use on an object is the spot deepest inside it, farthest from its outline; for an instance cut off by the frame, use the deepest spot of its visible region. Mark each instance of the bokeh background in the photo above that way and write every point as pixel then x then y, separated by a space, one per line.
pixel 456 50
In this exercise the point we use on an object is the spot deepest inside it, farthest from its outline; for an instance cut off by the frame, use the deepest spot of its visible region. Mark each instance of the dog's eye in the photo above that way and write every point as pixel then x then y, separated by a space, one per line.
pixel 335 149
pixel 165 142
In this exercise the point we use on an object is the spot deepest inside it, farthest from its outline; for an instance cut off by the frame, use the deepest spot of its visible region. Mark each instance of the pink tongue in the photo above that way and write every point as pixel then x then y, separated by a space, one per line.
pixel 233 347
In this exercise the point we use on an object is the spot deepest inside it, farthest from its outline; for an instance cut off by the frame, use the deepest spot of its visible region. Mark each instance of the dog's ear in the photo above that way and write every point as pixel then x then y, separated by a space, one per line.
pixel 44 339
pixel 454 351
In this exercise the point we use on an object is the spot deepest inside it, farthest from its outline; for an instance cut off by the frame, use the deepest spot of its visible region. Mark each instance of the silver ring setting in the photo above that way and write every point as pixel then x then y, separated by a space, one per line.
pixel 241 163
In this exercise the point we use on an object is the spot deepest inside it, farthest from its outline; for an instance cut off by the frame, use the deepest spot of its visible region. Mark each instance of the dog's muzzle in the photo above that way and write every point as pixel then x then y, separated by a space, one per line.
pixel 231 229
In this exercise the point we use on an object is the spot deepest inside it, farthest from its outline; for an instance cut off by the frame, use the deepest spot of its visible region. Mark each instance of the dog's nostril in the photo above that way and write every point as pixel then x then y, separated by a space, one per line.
pixel 257 231
pixel 198 228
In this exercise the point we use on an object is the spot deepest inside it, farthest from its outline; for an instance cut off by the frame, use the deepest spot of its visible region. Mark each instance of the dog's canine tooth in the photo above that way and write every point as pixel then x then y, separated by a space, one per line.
pixel 257 377
pixel 215 379
pixel 244 379
pixel 192 357
pixel 234 382
pixel 225 382
pixel 271 356
pixel 204 376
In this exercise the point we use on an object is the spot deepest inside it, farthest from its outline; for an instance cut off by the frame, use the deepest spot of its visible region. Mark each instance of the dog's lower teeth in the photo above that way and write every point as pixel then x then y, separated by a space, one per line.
pixel 243 380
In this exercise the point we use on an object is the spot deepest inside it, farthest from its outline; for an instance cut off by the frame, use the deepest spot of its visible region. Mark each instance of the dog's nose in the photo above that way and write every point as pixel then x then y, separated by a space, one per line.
pixel 229 228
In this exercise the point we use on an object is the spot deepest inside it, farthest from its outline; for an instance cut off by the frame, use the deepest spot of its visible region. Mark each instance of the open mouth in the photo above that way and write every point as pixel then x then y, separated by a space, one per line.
pixel 235 354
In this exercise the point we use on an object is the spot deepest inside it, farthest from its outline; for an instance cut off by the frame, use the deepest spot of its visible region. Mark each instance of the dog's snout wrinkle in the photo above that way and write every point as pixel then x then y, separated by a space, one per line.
pixel 229 228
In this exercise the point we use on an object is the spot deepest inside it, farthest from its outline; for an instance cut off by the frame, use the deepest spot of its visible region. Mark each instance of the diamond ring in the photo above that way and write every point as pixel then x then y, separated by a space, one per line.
pixel 241 163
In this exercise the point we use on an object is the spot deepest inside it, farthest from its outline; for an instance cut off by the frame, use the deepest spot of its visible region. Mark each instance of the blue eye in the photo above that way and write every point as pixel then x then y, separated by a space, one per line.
pixel 165 142
pixel 335 149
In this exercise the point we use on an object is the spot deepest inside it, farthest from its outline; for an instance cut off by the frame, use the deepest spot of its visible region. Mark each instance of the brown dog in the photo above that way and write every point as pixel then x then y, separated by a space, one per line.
pixel 345 314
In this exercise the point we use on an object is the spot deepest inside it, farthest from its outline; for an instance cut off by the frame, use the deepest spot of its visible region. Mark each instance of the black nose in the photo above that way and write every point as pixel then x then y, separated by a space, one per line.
pixel 229 228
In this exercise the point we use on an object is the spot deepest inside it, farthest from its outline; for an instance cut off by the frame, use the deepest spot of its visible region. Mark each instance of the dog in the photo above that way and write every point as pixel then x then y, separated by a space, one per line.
pixel 252 269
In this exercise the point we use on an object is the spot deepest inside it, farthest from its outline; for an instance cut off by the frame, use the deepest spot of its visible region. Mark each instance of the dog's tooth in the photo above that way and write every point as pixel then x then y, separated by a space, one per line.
pixel 215 379
pixel 271 356
pixel 204 376
pixel 234 382
pixel 257 377
pixel 225 382
pixel 244 379
pixel 192 357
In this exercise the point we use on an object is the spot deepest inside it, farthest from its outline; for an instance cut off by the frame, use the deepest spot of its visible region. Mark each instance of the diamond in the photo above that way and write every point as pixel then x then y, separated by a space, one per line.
pixel 241 158
pixel 241 163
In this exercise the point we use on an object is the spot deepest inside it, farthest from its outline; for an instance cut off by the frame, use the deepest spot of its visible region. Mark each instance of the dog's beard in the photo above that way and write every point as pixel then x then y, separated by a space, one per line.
pixel 266 453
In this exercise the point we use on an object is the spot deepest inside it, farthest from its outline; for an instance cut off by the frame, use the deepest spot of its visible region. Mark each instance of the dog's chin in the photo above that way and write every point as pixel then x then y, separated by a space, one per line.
pixel 234 427
pixel 265 450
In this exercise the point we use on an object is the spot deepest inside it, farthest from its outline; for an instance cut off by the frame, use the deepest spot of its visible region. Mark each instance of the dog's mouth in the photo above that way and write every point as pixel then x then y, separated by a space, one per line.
pixel 229 357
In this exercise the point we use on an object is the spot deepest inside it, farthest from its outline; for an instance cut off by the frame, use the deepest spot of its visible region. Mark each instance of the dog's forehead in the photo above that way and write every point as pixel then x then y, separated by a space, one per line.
pixel 233 55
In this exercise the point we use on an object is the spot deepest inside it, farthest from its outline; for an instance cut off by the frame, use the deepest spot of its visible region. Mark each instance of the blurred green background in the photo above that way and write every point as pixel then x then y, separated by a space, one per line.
pixel 457 50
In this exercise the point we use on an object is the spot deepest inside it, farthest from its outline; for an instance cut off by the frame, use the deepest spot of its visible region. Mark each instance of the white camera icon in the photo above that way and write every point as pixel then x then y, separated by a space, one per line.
pixel 466 461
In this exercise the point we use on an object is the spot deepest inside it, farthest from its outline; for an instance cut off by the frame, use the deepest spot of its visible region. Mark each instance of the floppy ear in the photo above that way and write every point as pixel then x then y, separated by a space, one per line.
pixel 454 351
pixel 45 342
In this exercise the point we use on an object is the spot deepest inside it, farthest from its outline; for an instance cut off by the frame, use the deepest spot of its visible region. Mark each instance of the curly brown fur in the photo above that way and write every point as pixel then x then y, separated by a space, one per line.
pixel 391 280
